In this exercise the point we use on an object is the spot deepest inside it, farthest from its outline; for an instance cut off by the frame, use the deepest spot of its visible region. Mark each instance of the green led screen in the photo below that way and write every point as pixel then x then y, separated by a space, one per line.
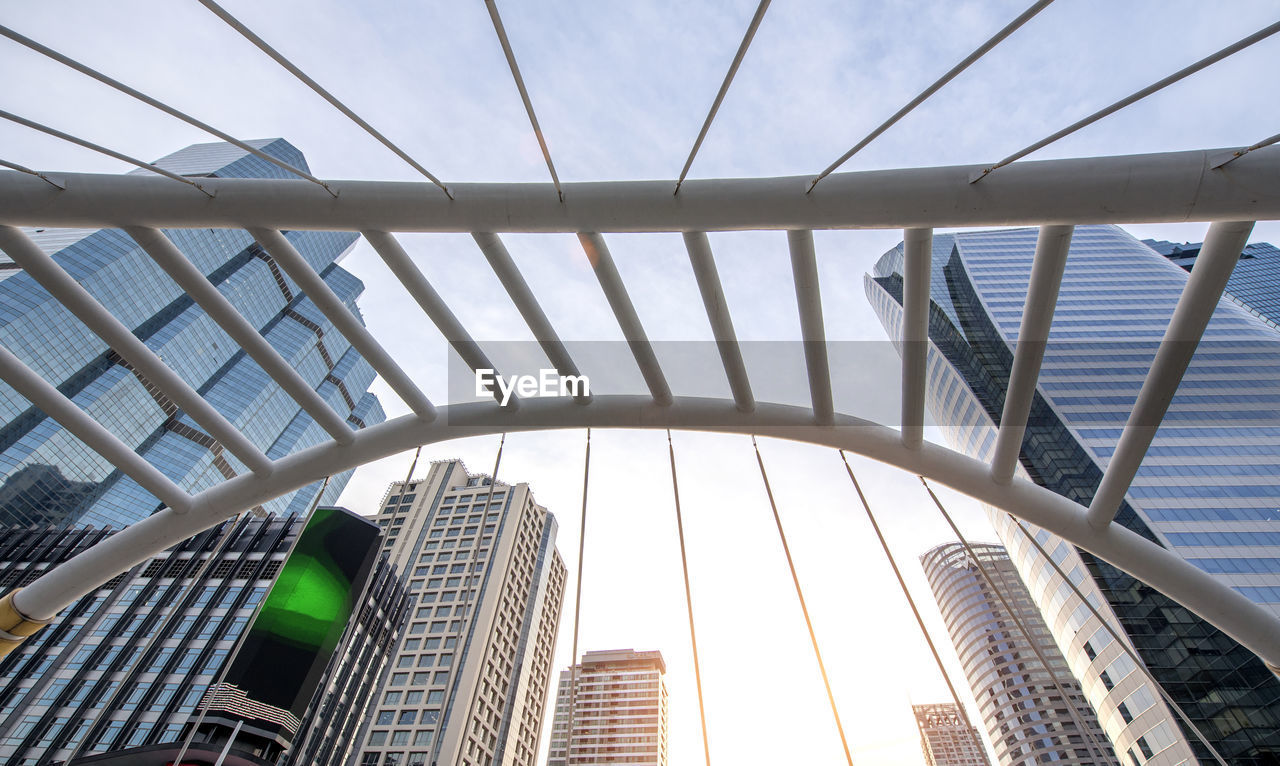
pixel 302 620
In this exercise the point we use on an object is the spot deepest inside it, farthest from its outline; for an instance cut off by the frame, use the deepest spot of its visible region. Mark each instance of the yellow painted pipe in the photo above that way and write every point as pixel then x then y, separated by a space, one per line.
pixel 15 627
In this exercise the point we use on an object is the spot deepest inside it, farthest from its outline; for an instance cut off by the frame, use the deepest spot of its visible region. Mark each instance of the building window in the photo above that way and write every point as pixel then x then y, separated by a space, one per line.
pixel 377 738
pixel 399 679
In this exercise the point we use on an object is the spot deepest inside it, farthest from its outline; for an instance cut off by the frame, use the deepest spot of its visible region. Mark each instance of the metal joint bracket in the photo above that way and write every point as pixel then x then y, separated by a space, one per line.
pixel 15 627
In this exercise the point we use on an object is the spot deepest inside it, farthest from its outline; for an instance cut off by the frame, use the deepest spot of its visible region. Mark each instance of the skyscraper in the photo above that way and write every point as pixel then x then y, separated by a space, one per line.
pixel 619 712
pixel 470 680
pixel 1255 282
pixel 156 638
pixel 1208 489
pixel 1034 709
pixel 945 738
pixel 48 476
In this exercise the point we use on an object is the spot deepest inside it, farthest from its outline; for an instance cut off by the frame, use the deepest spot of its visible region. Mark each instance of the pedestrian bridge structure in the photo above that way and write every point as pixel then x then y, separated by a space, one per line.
pixel 1227 188
pixel 1054 195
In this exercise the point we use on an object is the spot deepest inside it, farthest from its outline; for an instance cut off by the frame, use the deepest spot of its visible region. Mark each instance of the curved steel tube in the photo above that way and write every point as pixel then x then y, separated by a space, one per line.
pixel 1246 622
pixel 1142 188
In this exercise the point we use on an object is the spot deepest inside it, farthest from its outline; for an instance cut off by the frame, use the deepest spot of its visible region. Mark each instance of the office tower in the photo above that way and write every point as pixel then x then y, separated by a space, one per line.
pixel 619 711
pixel 1208 488
pixel 470 678
pixel 195 600
pixel 1255 282
pixel 1034 710
pixel 48 476
pixel 945 739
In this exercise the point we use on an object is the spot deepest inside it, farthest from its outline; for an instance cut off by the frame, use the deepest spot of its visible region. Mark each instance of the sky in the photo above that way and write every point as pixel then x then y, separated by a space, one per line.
pixel 621 90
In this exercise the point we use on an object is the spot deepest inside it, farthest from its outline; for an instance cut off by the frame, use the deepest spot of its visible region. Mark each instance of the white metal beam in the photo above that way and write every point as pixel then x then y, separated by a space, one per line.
pixel 146 362
pixel 293 264
pixel 704 271
pixel 404 269
pixel 813 333
pixel 42 394
pixel 1248 623
pixel 512 281
pixel 917 258
pixel 1218 257
pixel 1187 71
pixel 189 278
pixel 724 87
pixel 937 85
pixel 616 293
pixel 147 166
pixel 157 104
pixel 1149 188
pixel 1033 333
pixel 280 59
pixel 524 92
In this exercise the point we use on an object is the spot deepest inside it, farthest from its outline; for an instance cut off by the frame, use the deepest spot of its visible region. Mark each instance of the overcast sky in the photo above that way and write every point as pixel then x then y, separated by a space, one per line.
pixel 621 90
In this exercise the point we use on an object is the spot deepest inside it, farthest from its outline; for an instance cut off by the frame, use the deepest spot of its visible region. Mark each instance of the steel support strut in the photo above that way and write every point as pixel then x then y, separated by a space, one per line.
pixel 1248 623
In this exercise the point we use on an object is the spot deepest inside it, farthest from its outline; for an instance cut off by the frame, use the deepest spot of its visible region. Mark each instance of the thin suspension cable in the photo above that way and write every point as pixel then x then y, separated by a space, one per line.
pixel 99 149
pixel 981 51
pixel 1123 644
pixel 144 98
pixel 279 58
pixel 924 631
pixel 29 171
pixel 688 601
pixel 577 602
pixel 1072 710
pixel 813 637
pixel 215 553
pixel 1242 152
pixel 724 88
pixel 1235 47
pixel 235 648
pixel 464 624
pixel 524 94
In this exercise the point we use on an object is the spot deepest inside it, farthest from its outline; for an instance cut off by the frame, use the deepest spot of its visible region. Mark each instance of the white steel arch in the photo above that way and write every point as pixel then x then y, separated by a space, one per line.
pixel 1054 194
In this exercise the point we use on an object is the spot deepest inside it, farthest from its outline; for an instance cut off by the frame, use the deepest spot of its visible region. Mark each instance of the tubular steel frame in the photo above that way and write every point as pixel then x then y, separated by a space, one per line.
pixel 1055 195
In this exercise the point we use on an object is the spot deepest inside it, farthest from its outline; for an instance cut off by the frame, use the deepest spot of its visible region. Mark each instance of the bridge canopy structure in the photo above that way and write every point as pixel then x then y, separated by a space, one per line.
pixel 1229 188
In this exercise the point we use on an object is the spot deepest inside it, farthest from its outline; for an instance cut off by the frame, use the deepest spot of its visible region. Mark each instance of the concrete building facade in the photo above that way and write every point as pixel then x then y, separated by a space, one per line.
pixel 618 713
pixel 946 739
pixel 470 678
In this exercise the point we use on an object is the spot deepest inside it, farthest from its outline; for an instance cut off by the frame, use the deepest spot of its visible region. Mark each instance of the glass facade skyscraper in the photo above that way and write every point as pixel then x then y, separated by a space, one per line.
pixel 1208 489
pixel 1255 282
pixel 1034 710
pixel 48 476
pixel 128 665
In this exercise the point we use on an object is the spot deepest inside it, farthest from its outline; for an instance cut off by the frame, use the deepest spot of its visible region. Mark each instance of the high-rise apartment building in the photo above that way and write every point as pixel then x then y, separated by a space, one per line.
pixel 618 712
pixel 1255 282
pixel 1208 488
pixel 945 737
pixel 156 638
pixel 470 679
pixel 1034 709
pixel 49 476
